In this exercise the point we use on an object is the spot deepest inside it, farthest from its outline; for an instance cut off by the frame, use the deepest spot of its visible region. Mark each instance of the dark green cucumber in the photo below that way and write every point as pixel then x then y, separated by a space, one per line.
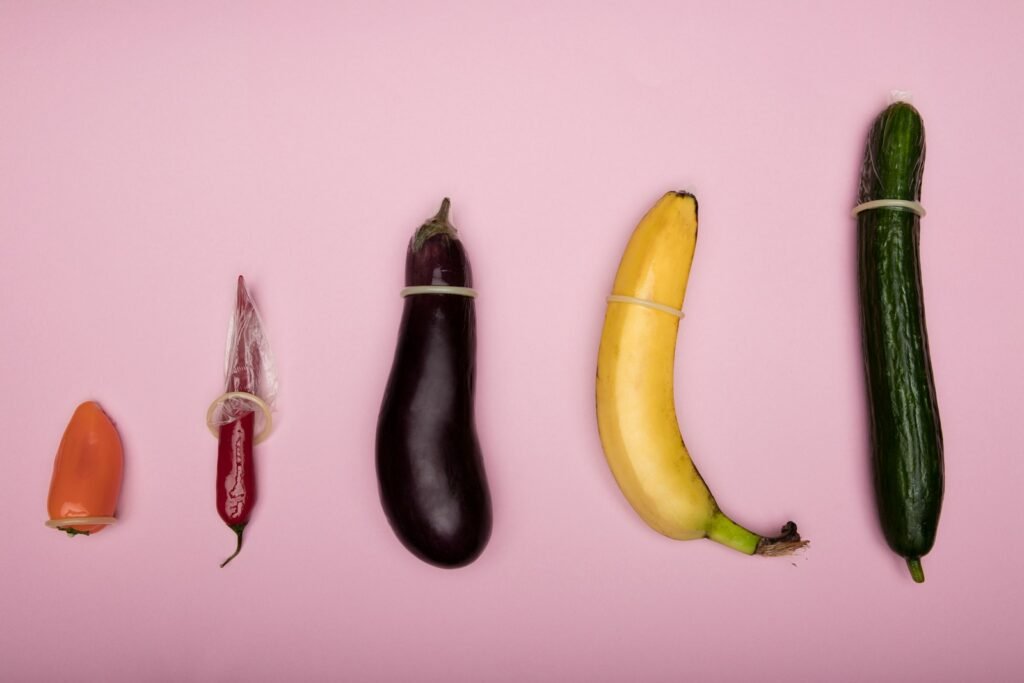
pixel 905 431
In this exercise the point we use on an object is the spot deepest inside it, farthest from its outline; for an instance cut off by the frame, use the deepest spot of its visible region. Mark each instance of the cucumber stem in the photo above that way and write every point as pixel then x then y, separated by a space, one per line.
pixel 916 570
pixel 238 529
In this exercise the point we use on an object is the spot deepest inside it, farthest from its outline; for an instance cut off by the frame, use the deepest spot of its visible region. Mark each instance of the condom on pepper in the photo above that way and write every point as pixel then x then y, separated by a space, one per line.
pixel 87 472
pixel 241 417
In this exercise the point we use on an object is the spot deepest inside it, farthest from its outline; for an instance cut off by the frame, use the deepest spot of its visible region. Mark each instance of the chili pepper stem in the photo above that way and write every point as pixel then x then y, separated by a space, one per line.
pixel 74 532
pixel 238 529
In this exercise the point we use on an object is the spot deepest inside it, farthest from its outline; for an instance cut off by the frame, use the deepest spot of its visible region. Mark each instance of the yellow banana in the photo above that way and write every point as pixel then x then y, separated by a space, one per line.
pixel 635 404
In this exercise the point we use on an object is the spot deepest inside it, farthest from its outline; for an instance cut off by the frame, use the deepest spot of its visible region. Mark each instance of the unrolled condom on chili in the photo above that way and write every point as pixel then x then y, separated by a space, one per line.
pixel 246 374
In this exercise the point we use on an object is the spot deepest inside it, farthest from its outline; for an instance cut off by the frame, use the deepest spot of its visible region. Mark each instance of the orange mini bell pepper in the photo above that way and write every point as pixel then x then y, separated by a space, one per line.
pixel 87 473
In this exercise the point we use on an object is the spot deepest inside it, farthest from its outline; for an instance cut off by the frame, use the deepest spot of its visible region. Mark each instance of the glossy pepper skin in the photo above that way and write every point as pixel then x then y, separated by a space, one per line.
pixel 87 471
pixel 236 475
pixel 236 471
pixel 429 467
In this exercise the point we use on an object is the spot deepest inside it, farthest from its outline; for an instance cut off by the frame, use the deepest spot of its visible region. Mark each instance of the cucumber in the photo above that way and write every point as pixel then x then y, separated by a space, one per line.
pixel 905 432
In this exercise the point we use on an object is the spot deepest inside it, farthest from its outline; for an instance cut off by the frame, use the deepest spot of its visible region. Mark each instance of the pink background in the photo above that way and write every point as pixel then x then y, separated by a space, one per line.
pixel 150 152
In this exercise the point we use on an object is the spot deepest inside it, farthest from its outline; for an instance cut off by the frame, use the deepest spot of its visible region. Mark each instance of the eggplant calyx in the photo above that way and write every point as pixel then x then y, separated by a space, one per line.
pixel 438 225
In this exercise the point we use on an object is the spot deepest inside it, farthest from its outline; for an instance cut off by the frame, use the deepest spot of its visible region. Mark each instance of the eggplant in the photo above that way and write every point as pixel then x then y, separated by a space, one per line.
pixel 430 469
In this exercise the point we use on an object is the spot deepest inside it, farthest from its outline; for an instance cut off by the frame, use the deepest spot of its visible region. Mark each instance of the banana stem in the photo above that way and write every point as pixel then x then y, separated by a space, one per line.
pixel 727 532
pixel 786 543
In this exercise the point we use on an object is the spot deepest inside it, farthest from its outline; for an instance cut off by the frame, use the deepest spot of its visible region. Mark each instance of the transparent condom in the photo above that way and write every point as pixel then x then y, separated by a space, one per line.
pixel 245 331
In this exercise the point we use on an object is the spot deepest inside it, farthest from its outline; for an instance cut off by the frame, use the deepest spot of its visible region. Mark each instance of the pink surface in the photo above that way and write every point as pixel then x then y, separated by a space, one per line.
pixel 151 152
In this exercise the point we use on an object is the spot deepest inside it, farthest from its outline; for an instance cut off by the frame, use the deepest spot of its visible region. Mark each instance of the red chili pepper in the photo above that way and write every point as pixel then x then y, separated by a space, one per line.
pixel 236 471
pixel 236 476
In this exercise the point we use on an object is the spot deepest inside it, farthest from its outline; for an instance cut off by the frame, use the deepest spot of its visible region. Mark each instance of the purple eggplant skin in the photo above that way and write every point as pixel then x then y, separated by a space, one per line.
pixel 429 467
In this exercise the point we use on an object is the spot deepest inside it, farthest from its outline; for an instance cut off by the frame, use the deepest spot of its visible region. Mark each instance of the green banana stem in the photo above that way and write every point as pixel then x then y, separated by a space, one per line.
pixel 727 532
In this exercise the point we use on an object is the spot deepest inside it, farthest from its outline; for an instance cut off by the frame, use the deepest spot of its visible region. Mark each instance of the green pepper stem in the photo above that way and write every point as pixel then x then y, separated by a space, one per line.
pixel 916 570
pixel 238 529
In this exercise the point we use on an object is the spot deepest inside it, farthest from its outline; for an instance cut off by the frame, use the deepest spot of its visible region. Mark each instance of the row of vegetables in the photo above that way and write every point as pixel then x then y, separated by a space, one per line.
pixel 430 470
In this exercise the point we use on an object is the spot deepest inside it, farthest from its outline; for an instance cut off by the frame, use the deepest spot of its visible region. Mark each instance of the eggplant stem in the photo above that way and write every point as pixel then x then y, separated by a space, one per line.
pixel 442 213
pixel 238 529
pixel 438 225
